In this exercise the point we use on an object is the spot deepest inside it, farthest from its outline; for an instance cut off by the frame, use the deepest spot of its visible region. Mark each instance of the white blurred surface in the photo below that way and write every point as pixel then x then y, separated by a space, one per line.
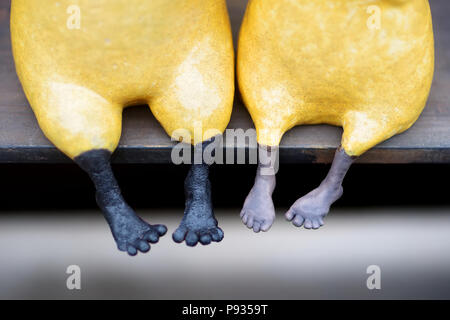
pixel 412 247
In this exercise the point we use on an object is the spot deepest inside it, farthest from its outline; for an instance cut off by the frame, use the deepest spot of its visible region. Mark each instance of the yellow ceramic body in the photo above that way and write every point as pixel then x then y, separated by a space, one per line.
pixel 82 61
pixel 364 65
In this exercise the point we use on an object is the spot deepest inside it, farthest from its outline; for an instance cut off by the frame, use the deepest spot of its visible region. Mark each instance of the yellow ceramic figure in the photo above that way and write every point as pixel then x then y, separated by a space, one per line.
pixel 81 62
pixel 366 66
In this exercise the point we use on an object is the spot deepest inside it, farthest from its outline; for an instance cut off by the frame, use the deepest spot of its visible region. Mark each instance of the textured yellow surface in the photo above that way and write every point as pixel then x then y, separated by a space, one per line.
pixel 175 55
pixel 364 65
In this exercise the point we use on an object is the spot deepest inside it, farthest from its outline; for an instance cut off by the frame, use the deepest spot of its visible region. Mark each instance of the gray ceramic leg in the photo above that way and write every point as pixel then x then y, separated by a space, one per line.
pixel 258 212
pixel 310 210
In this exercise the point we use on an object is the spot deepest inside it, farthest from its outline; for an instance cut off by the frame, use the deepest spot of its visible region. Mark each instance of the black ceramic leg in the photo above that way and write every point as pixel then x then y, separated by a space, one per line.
pixel 313 207
pixel 131 233
pixel 198 223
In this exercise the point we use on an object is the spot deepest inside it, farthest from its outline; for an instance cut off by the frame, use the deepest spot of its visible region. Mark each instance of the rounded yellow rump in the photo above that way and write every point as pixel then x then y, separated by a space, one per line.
pixel 364 65
pixel 82 61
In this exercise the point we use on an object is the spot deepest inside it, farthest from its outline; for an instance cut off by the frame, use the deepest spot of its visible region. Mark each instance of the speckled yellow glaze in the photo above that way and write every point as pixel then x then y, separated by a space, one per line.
pixel 326 61
pixel 175 55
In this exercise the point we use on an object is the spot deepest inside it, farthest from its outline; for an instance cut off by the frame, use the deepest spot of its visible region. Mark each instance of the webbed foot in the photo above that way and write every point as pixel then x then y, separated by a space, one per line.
pixel 131 233
pixel 199 223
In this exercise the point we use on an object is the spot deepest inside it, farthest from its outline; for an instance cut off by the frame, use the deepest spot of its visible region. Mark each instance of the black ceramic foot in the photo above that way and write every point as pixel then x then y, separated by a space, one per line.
pixel 199 223
pixel 310 210
pixel 131 233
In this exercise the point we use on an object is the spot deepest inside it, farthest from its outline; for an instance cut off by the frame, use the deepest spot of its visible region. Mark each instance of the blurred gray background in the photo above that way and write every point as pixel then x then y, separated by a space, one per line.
pixel 411 246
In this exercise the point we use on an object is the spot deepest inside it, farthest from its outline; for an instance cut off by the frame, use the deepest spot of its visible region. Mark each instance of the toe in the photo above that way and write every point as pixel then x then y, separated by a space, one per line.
pixel 152 236
pixel 290 214
pixel 143 246
pixel 266 226
pixel 205 239
pixel 161 229
pixel 122 247
pixel 298 221
pixel 217 234
pixel 245 218
pixel 179 235
pixel 191 239
pixel 256 227
pixel 132 251
pixel 250 222
pixel 315 224
pixel 308 224
pixel 321 221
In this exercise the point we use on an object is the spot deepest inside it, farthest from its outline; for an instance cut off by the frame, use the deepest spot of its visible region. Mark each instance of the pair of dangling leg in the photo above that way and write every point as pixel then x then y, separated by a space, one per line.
pixel 309 211
pixel 131 233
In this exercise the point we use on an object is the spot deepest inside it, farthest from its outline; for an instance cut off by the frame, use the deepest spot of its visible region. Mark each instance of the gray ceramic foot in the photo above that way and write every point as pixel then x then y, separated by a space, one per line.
pixel 310 210
pixel 199 223
pixel 258 212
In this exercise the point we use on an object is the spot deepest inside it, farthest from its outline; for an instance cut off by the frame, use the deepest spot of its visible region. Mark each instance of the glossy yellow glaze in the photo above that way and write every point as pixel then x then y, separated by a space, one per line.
pixel 175 55
pixel 364 65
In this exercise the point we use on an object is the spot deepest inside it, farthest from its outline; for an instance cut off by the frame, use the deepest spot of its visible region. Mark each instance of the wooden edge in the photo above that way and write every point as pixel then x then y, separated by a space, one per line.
pixel 162 155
